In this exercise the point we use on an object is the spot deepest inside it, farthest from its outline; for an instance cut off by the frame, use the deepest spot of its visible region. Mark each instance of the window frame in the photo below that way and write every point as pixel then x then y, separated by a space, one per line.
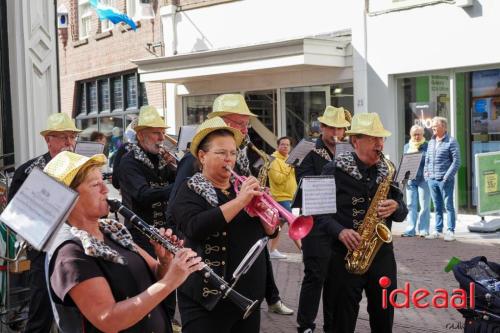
pixel 87 16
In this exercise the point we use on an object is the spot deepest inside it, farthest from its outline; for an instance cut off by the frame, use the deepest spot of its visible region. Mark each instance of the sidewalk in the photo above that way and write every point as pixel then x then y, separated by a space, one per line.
pixel 420 262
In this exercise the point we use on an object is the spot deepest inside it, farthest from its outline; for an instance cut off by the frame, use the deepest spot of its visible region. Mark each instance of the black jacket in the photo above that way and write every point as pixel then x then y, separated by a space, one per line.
pixel 354 192
pixel 221 245
pixel 23 171
pixel 145 184
pixel 312 165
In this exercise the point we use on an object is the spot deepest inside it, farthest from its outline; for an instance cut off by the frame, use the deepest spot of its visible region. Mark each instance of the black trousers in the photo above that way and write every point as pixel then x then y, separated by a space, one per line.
pixel 224 318
pixel 345 291
pixel 272 292
pixel 40 315
pixel 316 252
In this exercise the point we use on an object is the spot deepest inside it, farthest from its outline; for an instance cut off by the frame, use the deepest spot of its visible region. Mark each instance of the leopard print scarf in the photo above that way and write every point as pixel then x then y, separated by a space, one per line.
pixel 140 155
pixel 93 247
pixel 204 188
pixel 242 159
pixel 347 163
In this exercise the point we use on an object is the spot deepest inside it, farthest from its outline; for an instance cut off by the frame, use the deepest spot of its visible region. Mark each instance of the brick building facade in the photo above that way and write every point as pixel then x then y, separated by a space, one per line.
pixel 99 86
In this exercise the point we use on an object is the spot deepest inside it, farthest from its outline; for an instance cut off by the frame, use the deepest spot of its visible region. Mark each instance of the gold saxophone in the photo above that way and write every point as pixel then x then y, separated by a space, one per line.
pixel 373 230
pixel 264 170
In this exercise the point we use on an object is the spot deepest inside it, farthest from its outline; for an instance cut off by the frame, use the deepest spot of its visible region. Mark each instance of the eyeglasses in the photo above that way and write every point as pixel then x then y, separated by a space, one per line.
pixel 69 137
pixel 237 124
pixel 223 154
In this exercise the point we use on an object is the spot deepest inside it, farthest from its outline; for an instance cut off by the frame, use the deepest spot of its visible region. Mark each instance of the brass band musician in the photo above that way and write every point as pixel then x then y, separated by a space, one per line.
pixel 60 135
pixel 316 247
pixel 233 109
pixel 365 196
pixel 211 216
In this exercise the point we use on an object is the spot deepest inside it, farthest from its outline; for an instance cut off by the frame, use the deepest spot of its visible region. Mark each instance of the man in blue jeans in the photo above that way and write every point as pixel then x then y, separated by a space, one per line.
pixel 441 165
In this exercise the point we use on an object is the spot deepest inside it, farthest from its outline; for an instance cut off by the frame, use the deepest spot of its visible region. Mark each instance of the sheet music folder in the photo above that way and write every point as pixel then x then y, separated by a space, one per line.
pixel 39 208
pixel 300 151
pixel 89 148
pixel 316 195
pixel 409 164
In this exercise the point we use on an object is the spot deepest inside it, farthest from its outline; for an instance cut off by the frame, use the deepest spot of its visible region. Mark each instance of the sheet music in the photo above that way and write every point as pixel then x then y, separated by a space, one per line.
pixel 409 163
pixel 300 151
pixel 89 148
pixel 342 147
pixel 186 134
pixel 39 208
pixel 318 195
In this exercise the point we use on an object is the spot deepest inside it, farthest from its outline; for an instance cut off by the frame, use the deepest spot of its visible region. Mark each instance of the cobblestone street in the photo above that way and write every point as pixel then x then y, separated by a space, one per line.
pixel 420 262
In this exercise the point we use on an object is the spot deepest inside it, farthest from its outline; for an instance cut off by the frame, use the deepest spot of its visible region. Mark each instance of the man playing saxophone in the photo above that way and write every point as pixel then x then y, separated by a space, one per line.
pixel 365 198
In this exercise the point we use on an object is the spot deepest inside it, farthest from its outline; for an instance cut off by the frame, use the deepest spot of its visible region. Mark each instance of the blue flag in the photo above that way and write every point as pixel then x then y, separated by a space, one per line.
pixel 109 13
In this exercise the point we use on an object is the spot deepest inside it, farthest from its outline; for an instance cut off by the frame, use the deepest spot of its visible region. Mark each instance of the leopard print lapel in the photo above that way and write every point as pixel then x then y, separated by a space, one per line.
pixel 140 155
pixel 201 186
pixel 347 163
pixel 40 162
pixel 94 247
pixel 323 153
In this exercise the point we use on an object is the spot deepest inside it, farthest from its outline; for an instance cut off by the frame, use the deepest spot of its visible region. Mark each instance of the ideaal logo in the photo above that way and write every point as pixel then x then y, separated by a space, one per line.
pixel 439 299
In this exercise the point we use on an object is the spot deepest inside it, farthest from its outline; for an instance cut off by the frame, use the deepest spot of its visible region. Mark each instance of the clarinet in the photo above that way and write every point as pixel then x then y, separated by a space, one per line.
pixel 245 304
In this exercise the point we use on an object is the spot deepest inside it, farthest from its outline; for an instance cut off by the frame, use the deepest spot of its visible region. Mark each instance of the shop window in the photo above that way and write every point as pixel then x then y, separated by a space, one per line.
pixel 84 18
pixel 421 99
pixel 196 108
pixel 342 95
pixel 264 105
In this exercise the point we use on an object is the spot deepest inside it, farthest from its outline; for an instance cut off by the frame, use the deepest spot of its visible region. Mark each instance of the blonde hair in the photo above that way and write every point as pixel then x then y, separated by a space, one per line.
pixel 415 128
pixel 442 120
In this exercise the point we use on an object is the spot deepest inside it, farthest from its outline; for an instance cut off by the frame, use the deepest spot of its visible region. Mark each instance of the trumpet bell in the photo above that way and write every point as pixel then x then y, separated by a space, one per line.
pixel 300 227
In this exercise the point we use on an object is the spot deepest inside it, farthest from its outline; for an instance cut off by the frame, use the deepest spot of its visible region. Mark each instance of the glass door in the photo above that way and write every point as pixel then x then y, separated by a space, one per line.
pixel 301 107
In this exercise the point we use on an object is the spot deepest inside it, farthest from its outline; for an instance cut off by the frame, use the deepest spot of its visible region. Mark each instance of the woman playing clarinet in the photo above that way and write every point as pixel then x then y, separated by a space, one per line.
pixel 100 280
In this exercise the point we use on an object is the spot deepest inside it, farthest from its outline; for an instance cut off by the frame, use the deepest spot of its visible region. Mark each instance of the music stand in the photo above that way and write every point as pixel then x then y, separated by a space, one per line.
pixel 300 151
pixel 408 168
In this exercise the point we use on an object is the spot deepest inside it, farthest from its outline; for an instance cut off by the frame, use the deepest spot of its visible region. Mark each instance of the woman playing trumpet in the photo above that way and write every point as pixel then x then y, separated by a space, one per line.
pixel 100 280
pixel 211 216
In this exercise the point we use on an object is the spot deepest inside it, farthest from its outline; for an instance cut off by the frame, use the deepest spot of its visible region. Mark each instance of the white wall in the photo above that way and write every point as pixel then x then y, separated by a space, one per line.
pixel 439 37
pixel 33 73
pixel 257 21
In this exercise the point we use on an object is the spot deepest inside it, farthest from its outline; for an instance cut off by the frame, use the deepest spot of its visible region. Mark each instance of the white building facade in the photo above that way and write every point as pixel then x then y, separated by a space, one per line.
pixel 407 60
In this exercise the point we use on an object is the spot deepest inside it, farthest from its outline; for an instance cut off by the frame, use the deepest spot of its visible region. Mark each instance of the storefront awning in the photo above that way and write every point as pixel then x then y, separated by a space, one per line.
pixel 282 56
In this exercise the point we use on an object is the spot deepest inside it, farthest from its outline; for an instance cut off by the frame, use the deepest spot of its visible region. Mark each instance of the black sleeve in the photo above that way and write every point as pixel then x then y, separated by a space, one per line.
pixel 115 180
pixel 400 214
pixel 18 180
pixel 306 168
pixel 328 222
pixel 185 169
pixel 195 217
pixel 134 183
